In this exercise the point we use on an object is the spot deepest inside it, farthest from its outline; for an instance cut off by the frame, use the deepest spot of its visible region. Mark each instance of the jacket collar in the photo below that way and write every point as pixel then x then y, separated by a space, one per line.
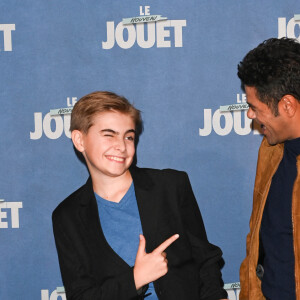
pixel 87 192
pixel 268 161
pixel 141 179
pixel 89 215
pixel 147 197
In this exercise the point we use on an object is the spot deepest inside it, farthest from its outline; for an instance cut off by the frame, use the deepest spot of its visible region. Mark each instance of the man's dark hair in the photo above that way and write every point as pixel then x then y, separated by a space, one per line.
pixel 273 68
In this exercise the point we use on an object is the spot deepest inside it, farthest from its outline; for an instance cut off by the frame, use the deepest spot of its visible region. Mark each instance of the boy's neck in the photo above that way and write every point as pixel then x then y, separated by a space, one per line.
pixel 112 188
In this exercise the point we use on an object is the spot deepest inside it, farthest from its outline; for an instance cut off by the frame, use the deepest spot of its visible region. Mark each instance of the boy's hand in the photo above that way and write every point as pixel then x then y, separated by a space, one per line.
pixel 151 266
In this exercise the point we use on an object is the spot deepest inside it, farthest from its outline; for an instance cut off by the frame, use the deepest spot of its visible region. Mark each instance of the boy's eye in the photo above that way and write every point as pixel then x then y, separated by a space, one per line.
pixel 110 135
pixel 130 138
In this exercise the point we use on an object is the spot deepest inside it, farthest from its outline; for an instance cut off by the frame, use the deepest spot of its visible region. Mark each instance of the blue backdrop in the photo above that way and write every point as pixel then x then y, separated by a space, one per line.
pixel 177 72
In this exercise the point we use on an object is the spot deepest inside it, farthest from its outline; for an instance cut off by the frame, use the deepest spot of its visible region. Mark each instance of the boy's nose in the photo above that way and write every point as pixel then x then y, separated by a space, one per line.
pixel 120 145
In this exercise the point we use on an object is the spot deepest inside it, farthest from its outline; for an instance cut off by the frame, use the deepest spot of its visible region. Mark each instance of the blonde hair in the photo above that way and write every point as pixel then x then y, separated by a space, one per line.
pixel 90 105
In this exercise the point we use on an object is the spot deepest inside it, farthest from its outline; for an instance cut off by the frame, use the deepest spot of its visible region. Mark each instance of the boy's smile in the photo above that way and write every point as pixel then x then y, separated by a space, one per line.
pixel 115 158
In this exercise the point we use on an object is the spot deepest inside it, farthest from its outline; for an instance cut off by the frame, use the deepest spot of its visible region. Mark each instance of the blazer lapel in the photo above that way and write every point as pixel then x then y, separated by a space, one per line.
pixel 88 210
pixel 89 216
pixel 147 201
pixel 271 157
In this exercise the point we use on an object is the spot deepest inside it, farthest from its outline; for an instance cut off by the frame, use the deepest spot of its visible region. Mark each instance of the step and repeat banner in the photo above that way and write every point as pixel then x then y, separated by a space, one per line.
pixel 177 62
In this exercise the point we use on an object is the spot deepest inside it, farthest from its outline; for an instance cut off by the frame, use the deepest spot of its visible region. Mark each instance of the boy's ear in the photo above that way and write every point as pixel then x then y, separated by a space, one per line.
pixel 77 139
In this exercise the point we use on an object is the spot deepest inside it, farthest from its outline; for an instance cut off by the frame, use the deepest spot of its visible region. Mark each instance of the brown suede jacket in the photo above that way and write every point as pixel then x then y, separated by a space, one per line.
pixel 269 158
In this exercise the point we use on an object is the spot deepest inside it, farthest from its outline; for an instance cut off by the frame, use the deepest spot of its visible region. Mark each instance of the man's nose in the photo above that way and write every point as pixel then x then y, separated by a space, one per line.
pixel 251 114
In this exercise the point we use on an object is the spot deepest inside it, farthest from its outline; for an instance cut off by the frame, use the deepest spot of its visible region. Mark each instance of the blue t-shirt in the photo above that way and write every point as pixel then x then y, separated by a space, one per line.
pixel 121 226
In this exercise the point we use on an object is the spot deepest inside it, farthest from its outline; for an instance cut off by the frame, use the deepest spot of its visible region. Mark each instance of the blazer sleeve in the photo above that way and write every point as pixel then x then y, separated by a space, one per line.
pixel 78 283
pixel 208 257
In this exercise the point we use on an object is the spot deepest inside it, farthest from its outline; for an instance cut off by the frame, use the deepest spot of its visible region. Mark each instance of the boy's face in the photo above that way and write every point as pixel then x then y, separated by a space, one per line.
pixel 108 147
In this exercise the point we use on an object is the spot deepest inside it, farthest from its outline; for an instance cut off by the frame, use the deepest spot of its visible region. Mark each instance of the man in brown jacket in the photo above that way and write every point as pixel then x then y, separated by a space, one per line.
pixel 270 75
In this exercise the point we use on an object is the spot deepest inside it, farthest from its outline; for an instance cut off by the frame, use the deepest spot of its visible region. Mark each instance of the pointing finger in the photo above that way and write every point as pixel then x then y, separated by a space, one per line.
pixel 142 246
pixel 163 246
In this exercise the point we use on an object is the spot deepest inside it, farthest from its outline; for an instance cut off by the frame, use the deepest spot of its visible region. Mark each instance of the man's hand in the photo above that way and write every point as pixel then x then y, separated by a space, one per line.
pixel 150 266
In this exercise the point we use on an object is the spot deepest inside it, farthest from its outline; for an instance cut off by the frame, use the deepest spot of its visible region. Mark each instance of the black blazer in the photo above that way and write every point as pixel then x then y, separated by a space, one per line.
pixel 91 270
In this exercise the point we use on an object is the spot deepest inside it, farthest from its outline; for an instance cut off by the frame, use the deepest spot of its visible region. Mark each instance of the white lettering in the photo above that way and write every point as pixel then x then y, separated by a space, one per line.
pixel 233 290
pixel 281 27
pixel 289 29
pixel 217 122
pixel 159 32
pixel 38 128
pixel 120 37
pixel 178 24
pixel 206 130
pixel 110 42
pixel 237 116
pixel 7 40
pixel 44 294
pixel 141 34
pixel 147 11
pixel 241 100
pixel 231 120
pixel 3 215
pixel 54 295
pixel 61 124
pixel 238 294
pixel 67 121
pixel 58 126
pixel 141 11
pixel 14 213
pixel 233 294
pixel 74 100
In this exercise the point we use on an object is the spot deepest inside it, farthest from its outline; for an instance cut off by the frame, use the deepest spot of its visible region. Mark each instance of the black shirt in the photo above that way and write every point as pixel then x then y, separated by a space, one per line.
pixel 278 281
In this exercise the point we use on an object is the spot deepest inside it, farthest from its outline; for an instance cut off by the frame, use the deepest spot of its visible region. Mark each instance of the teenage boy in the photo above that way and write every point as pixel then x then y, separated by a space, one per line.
pixel 102 228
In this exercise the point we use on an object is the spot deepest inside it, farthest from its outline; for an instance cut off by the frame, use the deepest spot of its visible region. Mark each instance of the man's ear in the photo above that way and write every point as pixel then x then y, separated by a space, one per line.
pixel 289 104
pixel 77 139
